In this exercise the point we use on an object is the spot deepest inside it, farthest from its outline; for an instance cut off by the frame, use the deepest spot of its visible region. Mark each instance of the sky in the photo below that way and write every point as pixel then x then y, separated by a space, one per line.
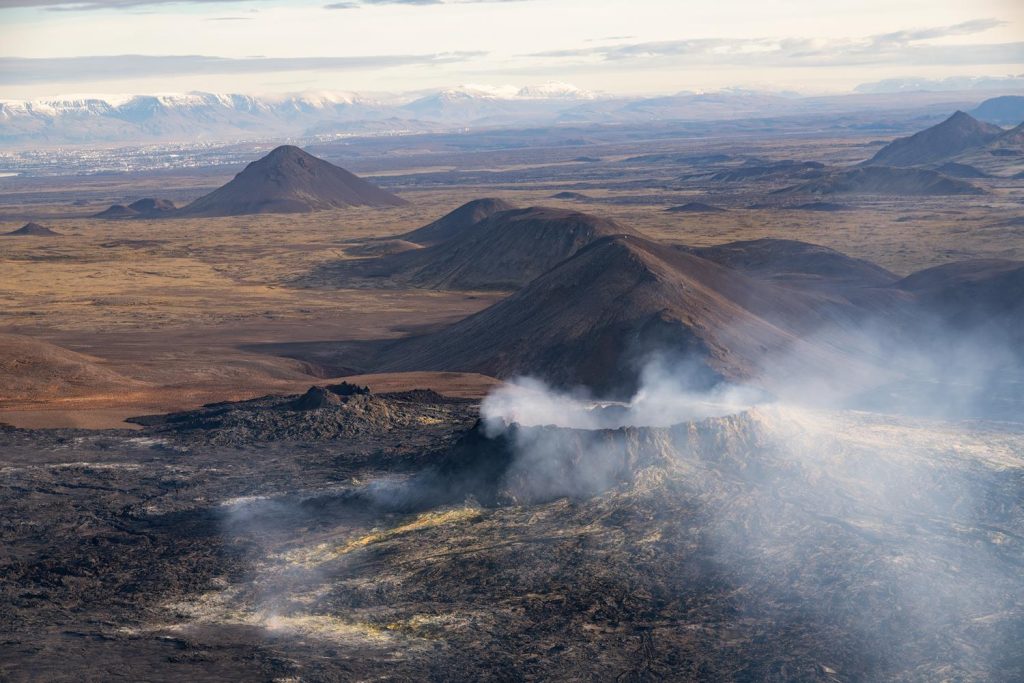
pixel 624 47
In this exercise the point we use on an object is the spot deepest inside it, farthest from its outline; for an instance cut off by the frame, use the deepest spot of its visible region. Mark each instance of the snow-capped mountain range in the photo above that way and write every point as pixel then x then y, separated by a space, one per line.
pixel 208 117
pixel 78 119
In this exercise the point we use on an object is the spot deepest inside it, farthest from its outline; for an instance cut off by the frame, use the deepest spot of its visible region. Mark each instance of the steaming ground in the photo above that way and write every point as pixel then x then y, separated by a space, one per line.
pixel 728 537
pixel 776 543
pixel 665 398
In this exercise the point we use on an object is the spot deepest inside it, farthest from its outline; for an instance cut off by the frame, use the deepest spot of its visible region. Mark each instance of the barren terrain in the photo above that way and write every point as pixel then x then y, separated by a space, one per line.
pixel 223 460
pixel 179 304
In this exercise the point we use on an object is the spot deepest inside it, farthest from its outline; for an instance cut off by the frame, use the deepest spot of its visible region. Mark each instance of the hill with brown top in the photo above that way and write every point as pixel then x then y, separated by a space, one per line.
pixel 289 180
pixel 453 224
pixel 32 230
pixel 34 370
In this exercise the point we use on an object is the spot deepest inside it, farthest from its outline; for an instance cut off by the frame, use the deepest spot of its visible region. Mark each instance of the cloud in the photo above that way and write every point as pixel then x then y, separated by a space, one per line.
pixel 355 4
pixel 86 5
pixel 899 47
pixel 17 70
pixel 899 38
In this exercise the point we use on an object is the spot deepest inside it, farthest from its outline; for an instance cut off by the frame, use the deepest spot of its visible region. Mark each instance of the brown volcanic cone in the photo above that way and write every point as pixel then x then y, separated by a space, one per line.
pixel 33 230
pixel 34 370
pixel 289 180
pixel 695 207
pixel 454 223
pixel 151 206
pixel 117 211
pixel 505 251
pixel 592 319
pixel 959 133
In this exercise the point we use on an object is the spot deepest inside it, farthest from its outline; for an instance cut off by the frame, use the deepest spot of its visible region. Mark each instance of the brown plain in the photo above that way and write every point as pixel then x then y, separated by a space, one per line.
pixel 161 313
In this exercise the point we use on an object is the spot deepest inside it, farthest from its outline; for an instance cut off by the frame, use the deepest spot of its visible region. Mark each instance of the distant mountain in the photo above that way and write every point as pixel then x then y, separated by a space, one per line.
pixel 212 117
pixel 554 90
pixel 150 205
pixel 774 170
pixel 724 104
pixel 116 211
pixel 468 104
pixel 957 134
pixel 884 181
pixel 289 180
pixel 505 250
pixel 185 117
pixel 826 207
pixel 32 230
pixel 695 207
pixel 1007 110
pixel 939 85
pixel 571 196
pixel 143 208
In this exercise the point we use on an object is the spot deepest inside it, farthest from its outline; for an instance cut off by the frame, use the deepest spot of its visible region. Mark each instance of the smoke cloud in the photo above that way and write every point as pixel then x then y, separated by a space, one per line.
pixel 866 495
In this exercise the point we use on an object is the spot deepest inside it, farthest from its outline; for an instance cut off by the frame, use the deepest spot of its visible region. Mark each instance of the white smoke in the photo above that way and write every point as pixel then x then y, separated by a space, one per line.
pixel 665 398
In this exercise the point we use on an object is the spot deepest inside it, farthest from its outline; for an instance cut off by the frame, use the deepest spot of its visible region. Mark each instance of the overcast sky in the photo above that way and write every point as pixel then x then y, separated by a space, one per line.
pixel 616 46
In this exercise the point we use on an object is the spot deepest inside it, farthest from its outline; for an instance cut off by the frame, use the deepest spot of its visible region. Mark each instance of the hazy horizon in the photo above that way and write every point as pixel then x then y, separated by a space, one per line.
pixel 56 47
